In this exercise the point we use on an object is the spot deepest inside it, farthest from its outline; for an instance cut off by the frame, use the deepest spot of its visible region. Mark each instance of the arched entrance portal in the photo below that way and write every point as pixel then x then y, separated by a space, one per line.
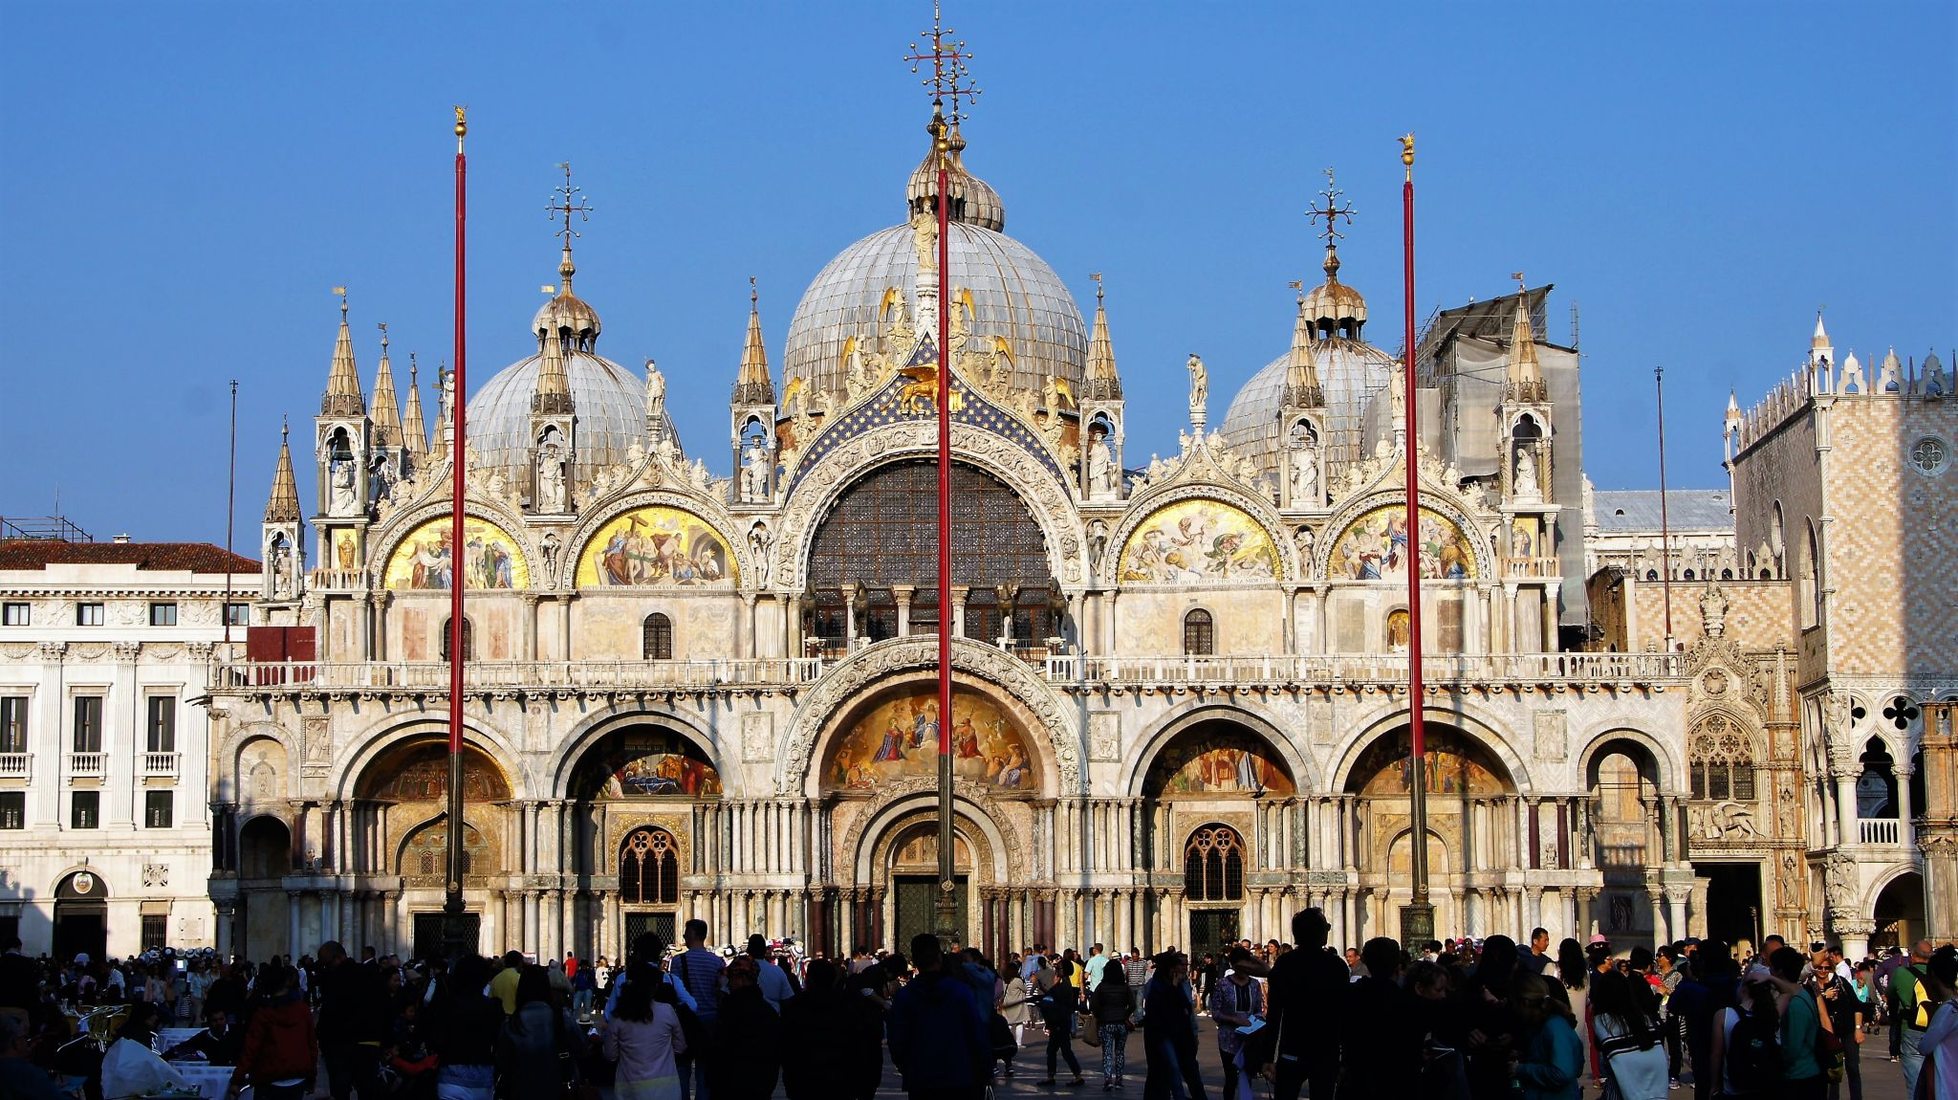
pixel 1900 912
pixel 401 828
pixel 911 868
pixel 1214 801
pixel 638 799
pixel 1472 843
pixel 264 860
pixel 81 916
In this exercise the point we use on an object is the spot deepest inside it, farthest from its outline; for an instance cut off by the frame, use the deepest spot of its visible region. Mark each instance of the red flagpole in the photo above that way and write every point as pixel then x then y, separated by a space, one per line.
pixel 946 868
pixel 452 901
pixel 1417 919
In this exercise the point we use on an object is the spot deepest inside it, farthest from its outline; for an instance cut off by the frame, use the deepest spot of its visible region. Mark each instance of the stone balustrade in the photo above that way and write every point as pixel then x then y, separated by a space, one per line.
pixel 1364 668
pixel 412 677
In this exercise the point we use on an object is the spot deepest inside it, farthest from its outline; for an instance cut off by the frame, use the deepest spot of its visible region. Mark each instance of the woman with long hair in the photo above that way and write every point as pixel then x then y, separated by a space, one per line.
pixel 1058 1007
pixel 1628 1040
pixel 464 1032
pixel 644 1037
pixel 1113 1004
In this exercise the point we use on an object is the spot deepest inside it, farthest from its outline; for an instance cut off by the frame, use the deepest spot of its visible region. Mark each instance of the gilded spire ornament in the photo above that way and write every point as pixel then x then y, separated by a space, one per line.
pixel 387 408
pixel 754 385
pixel 1302 389
pixel 1104 383
pixel 1524 377
pixel 414 429
pixel 567 201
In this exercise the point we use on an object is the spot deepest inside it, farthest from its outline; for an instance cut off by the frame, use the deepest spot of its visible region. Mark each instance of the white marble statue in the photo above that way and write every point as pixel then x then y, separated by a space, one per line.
pixel 754 471
pixel 655 393
pixel 1526 483
pixel 1101 465
pixel 1305 477
pixel 758 543
pixel 342 497
pixel 550 480
pixel 1199 384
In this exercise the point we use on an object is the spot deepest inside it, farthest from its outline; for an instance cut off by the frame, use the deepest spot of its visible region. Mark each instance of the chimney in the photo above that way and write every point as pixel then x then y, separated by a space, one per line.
pixel 122 538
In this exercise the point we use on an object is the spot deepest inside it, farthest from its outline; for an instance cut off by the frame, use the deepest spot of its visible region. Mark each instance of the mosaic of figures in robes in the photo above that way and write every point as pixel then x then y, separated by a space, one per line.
pixel 426 558
pixel 1374 547
pixel 655 546
pixel 1198 540
pixel 1230 763
pixel 421 774
pixel 1453 765
pixel 651 763
pixel 898 738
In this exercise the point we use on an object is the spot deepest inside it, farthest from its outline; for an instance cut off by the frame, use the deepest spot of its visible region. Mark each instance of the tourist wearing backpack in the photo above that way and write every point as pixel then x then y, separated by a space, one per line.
pixel 1746 1058
pixel 1913 1011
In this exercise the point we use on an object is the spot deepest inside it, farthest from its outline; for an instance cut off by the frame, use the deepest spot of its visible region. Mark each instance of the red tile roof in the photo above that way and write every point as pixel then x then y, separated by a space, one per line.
pixel 195 557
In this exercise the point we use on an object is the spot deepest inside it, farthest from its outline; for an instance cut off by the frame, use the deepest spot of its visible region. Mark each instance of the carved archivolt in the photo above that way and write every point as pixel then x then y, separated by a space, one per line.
pixel 708 510
pixel 971 800
pixel 876 665
pixel 820 487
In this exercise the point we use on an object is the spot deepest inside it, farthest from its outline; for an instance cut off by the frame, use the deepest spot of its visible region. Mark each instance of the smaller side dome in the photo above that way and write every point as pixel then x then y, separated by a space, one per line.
pixel 972 200
pixel 567 317
pixel 1333 308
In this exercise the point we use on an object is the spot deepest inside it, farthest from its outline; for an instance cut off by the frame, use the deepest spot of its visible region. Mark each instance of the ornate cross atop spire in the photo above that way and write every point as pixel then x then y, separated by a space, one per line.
pixel 566 201
pixel 1332 211
pixel 950 77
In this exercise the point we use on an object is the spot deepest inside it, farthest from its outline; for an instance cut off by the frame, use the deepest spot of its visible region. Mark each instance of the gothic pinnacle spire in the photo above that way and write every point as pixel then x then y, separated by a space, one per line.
pixel 754 385
pixel 1302 388
pixel 1103 381
pixel 283 506
pixel 387 409
pixel 553 390
pixel 414 428
pixel 342 396
pixel 1525 374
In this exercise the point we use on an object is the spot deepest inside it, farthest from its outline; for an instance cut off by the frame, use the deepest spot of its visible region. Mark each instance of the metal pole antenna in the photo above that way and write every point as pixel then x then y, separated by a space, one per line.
pixel 230 514
pixel 1418 916
pixel 458 937
pixel 1665 521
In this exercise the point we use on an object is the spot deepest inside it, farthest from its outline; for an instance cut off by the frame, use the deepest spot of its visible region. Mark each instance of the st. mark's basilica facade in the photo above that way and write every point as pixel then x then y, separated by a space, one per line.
pixel 1181 703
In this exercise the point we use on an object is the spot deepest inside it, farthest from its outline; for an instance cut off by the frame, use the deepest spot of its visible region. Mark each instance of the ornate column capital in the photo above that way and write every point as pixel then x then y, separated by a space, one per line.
pixel 52 651
pixel 126 653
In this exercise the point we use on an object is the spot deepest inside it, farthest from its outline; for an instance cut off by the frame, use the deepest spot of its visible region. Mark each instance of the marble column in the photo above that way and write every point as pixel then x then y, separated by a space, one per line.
pixel 903 593
pixel 1658 899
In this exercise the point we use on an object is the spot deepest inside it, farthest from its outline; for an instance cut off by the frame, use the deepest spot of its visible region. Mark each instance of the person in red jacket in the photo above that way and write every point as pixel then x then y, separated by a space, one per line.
pixel 281 1054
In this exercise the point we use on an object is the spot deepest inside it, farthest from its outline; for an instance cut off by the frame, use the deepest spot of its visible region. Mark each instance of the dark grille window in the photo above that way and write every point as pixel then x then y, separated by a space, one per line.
pixel 468 639
pixel 649 869
pixel 884 532
pixel 88 723
pixel 1199 634
pixel 159 809
pixel 156 931
pixel 84 808
pixel 1213 865
pixel 13 809
pixel 656 638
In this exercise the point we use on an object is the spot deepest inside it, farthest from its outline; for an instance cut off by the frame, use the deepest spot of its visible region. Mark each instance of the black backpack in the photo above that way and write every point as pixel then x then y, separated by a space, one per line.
pixel 1754 1055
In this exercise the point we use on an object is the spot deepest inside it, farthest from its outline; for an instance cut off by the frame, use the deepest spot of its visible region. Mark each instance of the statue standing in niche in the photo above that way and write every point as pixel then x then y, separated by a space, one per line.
pixel 758 543
pixel 1097 542
pixel 1101 464
pixel 551 546
pixel 1526 483
pixel 924 241
pixel 341 493
pixel 1713 611
pixel 550 479
pixel 281 568
pixel 754 471
pixel 1199 385
pixel 1305 476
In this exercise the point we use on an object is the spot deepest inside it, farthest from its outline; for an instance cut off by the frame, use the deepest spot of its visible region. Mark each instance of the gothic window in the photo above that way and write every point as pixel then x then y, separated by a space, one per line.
pixel 1721 759
pixel 1213 865
pixel 649 868
pixel 1199 634
pixel 883 532
pixel 468 639
pixel 1901 712
pixel 656 638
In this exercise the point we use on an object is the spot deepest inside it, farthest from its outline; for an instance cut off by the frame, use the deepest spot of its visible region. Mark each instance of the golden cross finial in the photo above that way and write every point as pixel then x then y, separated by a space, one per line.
pixel 1332 212
pixel 562 205
pixel 342 292
pixel 1096 276
pixel 950 78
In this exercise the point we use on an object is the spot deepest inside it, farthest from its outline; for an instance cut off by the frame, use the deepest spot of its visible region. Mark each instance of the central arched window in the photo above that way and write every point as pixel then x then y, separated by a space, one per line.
pixel 1721 758
pixel 882 534
pixel 649 868
pixel 656 638
pixel 1199 634
pixel 468 639
pixel 1213 865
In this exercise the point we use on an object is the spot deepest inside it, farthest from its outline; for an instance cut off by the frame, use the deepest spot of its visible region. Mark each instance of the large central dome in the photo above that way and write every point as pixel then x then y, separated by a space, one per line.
pixel 1015 295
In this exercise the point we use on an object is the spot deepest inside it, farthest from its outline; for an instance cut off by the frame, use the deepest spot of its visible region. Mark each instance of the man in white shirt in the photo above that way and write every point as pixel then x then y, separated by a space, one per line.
pixel 1097 962
pixel 773 981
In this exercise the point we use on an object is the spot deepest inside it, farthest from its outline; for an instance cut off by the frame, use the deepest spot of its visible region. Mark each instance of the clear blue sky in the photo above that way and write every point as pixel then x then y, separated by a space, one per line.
pixel 183 184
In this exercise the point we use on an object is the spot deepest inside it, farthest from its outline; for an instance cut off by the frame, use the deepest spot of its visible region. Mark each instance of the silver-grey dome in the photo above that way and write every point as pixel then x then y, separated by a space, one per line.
pixel 611 408
pixel 1014 295
pixel 1351 373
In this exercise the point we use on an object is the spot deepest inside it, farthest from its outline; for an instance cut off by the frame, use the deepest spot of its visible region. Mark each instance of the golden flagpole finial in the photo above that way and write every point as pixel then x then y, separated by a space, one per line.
pixel 1407 153
pixel 462 125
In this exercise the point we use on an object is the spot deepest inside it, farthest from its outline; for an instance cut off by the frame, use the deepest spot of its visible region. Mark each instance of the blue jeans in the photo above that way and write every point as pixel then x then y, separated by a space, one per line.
pixel 1912 1058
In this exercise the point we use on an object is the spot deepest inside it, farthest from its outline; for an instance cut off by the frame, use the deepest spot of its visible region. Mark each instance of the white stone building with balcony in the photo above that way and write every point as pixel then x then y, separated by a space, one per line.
pixel 105 823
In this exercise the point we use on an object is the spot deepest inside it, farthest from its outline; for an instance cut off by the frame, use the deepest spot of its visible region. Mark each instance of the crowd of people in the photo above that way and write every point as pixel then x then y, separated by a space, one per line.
pixel 1460 1019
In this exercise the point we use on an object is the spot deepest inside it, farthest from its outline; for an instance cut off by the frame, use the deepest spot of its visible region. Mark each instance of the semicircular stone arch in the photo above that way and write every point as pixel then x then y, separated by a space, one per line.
pixel 1393 717
pixel 415 553
pixel 358 758
pixel 819 489
pixel 889 812
pixel 1299 767
pixel 566 757
pixel 826 711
